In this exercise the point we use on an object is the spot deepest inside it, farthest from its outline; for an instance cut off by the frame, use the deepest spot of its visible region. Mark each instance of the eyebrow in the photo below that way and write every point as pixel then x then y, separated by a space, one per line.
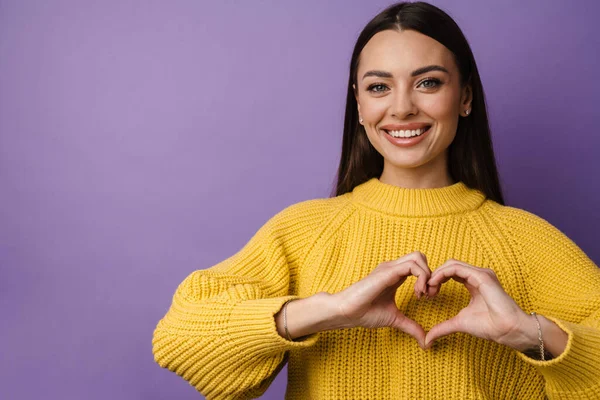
pixel 416 72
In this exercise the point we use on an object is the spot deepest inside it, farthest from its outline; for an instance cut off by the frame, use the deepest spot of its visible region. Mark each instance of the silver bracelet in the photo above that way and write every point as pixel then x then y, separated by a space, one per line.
pixel 537 321
pixel 287 333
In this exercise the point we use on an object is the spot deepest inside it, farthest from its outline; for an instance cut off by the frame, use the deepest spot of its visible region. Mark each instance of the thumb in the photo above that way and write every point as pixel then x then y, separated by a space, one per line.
pixel 442 329
pixel 407 325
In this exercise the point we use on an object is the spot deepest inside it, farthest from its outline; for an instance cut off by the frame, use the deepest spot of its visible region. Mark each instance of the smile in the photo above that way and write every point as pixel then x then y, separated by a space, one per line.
pixel 407 138
pixel 407 133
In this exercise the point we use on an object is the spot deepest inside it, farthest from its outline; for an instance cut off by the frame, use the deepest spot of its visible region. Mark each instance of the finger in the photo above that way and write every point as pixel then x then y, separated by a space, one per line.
pixel 417 256
pixel 469 274
pixel 407 325
pixel 432 290
pixel 394 281
pixel 436 286
pixel 425 258
pixel 448 276
pixel 388 278
pixel 420 259
pixel 445 328
pixel 476 280
pixel 433 287
pixel 422 275
pixel 411 267
pixel 425 264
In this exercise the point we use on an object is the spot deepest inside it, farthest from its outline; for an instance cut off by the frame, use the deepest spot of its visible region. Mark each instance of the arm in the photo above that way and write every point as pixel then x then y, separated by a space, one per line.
pixel 220 333
pixel 564 288
pixel 310 315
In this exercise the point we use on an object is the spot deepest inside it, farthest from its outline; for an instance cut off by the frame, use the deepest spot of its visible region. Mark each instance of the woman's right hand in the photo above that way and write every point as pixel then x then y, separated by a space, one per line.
pixel 371 303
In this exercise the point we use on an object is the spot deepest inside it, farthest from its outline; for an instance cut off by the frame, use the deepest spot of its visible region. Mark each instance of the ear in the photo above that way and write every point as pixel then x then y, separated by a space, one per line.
pixel 466 97
pixel 356 96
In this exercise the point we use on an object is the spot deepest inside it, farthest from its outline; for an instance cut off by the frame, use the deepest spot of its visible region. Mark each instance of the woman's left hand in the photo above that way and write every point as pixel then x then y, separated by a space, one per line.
pixel 491 314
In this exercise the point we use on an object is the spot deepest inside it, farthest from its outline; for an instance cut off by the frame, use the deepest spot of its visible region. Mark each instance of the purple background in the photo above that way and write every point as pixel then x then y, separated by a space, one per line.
pixel 141 140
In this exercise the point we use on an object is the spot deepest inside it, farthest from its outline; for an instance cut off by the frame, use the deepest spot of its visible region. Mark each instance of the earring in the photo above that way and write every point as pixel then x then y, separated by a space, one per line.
pixel 467 112
pixel 360 120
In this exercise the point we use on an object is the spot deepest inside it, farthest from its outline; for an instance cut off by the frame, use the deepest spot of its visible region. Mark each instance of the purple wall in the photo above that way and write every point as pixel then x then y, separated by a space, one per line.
pixel 141 140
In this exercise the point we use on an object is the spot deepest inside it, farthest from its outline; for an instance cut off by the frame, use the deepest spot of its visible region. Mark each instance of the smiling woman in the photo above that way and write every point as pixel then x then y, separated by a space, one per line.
pixel 413 280
pixel 413 68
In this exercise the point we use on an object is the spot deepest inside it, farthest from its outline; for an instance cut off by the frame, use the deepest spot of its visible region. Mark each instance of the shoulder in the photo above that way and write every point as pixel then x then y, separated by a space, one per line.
pixel 518 220
pixel 318 206
pixel 534 236
pixel 307 215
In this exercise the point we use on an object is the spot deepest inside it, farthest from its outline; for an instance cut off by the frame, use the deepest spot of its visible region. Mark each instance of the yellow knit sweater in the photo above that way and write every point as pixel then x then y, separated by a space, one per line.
pixel 219 333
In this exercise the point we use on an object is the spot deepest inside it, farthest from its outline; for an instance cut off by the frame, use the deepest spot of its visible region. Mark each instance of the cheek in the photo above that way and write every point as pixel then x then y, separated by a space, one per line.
pixel 442 106
pixel 373 109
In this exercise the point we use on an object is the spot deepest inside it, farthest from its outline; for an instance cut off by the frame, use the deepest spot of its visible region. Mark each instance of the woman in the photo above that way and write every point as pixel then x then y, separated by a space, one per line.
pixel 414 281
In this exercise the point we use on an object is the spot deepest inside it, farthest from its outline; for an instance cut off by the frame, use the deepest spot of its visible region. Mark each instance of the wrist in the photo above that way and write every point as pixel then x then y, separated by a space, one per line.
pixel 540 352
pixel 305 316
pixel 525 337
pixel 555 339
pixel 528 342
pixel 334 318
pixel 337 319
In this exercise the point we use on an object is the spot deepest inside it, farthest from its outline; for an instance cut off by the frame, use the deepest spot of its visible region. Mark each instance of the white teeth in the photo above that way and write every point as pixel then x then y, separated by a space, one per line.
pixel 407 134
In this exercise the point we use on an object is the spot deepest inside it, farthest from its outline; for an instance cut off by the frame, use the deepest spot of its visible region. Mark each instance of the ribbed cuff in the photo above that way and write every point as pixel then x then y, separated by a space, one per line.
pixel 576 369
pixel 252 324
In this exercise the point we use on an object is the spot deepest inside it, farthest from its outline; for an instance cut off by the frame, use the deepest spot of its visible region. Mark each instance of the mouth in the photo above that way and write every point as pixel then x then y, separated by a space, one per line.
pixel 407 134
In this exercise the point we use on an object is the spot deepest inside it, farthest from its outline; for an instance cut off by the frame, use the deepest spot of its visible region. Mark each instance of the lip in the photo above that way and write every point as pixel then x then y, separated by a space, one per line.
pixel 406 142
pixel 405 127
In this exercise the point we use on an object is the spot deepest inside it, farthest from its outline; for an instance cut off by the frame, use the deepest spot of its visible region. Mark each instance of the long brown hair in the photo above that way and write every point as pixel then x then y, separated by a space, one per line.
pixel 471 155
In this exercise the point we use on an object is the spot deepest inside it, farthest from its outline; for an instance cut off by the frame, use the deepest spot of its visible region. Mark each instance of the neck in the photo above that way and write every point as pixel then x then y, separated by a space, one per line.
pixel 433 174
pixel 417 182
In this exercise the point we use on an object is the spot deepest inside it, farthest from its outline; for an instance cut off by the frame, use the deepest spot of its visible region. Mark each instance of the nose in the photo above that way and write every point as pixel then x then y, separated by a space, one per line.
pixel 403 105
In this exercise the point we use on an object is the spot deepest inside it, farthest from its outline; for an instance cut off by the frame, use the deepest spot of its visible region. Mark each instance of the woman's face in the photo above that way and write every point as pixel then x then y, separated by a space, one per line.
pixel 391 93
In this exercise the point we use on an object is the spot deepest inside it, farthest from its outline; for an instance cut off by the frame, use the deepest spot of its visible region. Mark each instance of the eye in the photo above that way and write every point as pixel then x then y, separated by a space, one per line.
pixel 372 87
pixel 436 82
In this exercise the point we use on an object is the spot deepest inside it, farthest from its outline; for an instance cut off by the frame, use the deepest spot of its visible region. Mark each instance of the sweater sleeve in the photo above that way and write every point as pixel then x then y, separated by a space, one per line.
pixel 219 333
pixel 564 286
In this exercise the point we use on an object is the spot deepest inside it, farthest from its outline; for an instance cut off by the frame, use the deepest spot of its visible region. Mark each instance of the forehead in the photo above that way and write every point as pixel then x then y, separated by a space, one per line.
pixel 401 52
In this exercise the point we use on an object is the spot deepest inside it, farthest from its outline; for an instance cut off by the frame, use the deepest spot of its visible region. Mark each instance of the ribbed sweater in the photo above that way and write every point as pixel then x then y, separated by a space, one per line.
pixel 219 333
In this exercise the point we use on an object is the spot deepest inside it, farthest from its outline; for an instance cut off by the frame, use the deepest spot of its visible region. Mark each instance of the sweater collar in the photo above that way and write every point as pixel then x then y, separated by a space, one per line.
pixel 407 202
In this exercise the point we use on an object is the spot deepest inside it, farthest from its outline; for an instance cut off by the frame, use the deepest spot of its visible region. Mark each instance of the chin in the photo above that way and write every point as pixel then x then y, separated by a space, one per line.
pixel 406 162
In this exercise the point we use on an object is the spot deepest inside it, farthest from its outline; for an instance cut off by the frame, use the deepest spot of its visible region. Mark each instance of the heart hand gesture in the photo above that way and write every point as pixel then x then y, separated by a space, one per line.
pixel 491 314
